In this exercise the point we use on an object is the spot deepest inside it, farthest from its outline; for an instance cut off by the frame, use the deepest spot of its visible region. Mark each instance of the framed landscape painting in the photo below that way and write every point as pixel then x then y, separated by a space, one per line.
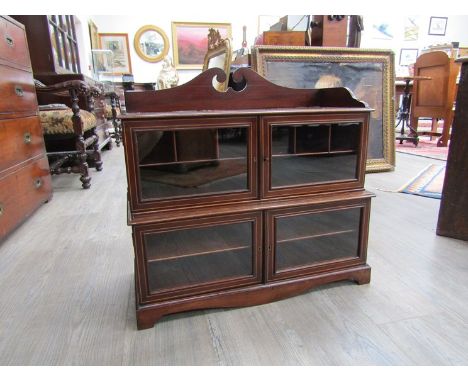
pixel 190 42
pixel 368 73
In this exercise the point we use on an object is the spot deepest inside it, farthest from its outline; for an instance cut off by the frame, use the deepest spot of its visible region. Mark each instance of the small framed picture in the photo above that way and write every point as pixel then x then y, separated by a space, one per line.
pixel 118 44
pixel 437 26
pixel 408 56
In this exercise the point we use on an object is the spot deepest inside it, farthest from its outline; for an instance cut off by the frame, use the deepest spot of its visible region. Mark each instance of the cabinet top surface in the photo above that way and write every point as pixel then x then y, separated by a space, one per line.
pixel 244 112
pixel 250 94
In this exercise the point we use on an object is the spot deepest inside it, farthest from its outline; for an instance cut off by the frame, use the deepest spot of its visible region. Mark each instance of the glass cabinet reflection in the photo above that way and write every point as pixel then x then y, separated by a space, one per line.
pixel 313 153
pixel 193 161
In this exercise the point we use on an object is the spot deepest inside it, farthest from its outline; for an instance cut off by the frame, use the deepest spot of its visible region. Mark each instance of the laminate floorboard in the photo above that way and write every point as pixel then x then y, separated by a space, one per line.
pixel 67 291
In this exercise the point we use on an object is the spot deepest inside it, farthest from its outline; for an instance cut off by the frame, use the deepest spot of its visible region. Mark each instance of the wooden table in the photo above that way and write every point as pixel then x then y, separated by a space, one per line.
pixel 404 111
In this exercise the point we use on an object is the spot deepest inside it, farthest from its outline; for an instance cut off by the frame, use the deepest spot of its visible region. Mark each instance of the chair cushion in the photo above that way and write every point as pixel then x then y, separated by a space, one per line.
pixel 60 121
pixel 108 111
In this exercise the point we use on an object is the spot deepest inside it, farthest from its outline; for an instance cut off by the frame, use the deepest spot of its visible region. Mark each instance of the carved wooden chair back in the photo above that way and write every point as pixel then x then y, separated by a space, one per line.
pixel 434 98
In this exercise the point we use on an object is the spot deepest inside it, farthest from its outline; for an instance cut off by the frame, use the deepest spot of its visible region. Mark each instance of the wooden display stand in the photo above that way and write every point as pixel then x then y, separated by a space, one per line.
pixel 282 208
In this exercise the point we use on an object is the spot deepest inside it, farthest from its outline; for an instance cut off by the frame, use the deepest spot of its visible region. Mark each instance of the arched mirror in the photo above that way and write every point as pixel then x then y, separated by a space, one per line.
pixel 219 55
pixel 151 43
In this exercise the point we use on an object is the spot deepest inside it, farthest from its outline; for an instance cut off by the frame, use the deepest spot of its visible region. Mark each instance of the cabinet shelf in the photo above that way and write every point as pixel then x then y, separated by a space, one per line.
pixel 154 164
pixel 317 153
pixel 219 251
pixel 298 238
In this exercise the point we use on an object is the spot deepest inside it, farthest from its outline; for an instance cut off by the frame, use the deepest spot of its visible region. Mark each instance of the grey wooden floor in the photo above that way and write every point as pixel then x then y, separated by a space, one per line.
pixel 67 295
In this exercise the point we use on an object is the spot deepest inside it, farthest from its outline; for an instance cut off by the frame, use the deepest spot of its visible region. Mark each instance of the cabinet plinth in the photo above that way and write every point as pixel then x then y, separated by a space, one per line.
pixel 240 198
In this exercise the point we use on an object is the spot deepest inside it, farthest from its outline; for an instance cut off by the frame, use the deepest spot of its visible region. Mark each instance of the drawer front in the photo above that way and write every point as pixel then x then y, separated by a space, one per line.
pixel 204 255
pixel 17 90
pixel 13 44
pixel 22 192
pixel 307 240
pixel 20 140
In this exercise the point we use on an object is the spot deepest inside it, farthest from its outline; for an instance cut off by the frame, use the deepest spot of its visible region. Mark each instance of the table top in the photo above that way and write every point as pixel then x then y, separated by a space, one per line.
pixel 412 78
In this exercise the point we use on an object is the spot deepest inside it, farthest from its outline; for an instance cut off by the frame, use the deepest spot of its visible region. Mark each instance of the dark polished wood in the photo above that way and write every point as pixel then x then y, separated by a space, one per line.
pixel 42 42
pixel 96 104
pixel 403 115
pixel 25 182
pixel 83 145
pixel 453 213
pixel 237 238
pixel 260 94
pixel 22 192
pixel 21 139
pixel 250 295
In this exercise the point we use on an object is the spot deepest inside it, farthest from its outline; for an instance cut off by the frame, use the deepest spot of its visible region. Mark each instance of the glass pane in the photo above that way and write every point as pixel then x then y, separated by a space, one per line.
pixel 192 256
pixel 192 162
pixel 53 40
pixel 61 49
pixel 316 237
pixel 314 153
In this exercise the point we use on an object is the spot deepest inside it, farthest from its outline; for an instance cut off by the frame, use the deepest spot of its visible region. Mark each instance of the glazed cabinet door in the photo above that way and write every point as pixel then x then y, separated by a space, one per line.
pixel 305 240
pixel 178 163
pixel 304 154
pixel 201 255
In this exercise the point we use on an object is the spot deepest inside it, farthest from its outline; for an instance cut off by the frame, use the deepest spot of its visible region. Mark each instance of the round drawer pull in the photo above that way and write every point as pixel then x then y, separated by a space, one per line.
pixel 1 209
pixel 37 183
pixel 9 40
pixel 27 138
pixel 19 91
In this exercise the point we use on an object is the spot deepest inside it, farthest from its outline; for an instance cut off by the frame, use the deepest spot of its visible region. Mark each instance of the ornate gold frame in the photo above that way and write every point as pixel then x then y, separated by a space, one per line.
pixel 217 47
pixel 175 46
pixel 136 43
pixel 261 55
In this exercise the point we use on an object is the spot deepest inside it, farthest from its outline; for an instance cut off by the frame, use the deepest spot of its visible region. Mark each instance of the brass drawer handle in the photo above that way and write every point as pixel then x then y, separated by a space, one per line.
pixel 19 91
pixel 1 209
pixel 27 138
pixel 9 40
pixel 37 183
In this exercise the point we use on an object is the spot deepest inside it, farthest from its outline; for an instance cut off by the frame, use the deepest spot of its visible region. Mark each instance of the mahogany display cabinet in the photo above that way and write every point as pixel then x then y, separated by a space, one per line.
pixel 243 197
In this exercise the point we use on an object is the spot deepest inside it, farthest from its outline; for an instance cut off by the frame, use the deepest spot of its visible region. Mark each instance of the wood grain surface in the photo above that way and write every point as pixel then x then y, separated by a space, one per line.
pixel 68 299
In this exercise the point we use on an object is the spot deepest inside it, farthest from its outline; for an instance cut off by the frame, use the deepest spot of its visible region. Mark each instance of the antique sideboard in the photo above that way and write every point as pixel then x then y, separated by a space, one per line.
pixel 239 198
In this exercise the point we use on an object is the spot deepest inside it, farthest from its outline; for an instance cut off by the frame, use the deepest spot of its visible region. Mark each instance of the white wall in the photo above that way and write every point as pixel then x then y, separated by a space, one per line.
pixel 148 72
pixel 457 30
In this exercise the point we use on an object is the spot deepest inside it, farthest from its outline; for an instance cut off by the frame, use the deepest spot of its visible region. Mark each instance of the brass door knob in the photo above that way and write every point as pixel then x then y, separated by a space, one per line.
pixel 9 40
pixel 37 183
pixel 27 138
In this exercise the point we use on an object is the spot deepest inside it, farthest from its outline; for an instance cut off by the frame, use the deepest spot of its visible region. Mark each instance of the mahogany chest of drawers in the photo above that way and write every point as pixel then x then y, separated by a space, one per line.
pixel 25 181
pixel 243 197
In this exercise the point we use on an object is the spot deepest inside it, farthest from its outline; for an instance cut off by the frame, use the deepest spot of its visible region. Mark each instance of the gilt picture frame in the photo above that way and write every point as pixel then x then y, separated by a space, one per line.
pixel 190 42
pixel 118 44
pixel 368 73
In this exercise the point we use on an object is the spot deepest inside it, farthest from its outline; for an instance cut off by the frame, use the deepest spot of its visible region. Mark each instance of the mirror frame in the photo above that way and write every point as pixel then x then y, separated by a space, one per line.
pixel 221 47
pixel 136 43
